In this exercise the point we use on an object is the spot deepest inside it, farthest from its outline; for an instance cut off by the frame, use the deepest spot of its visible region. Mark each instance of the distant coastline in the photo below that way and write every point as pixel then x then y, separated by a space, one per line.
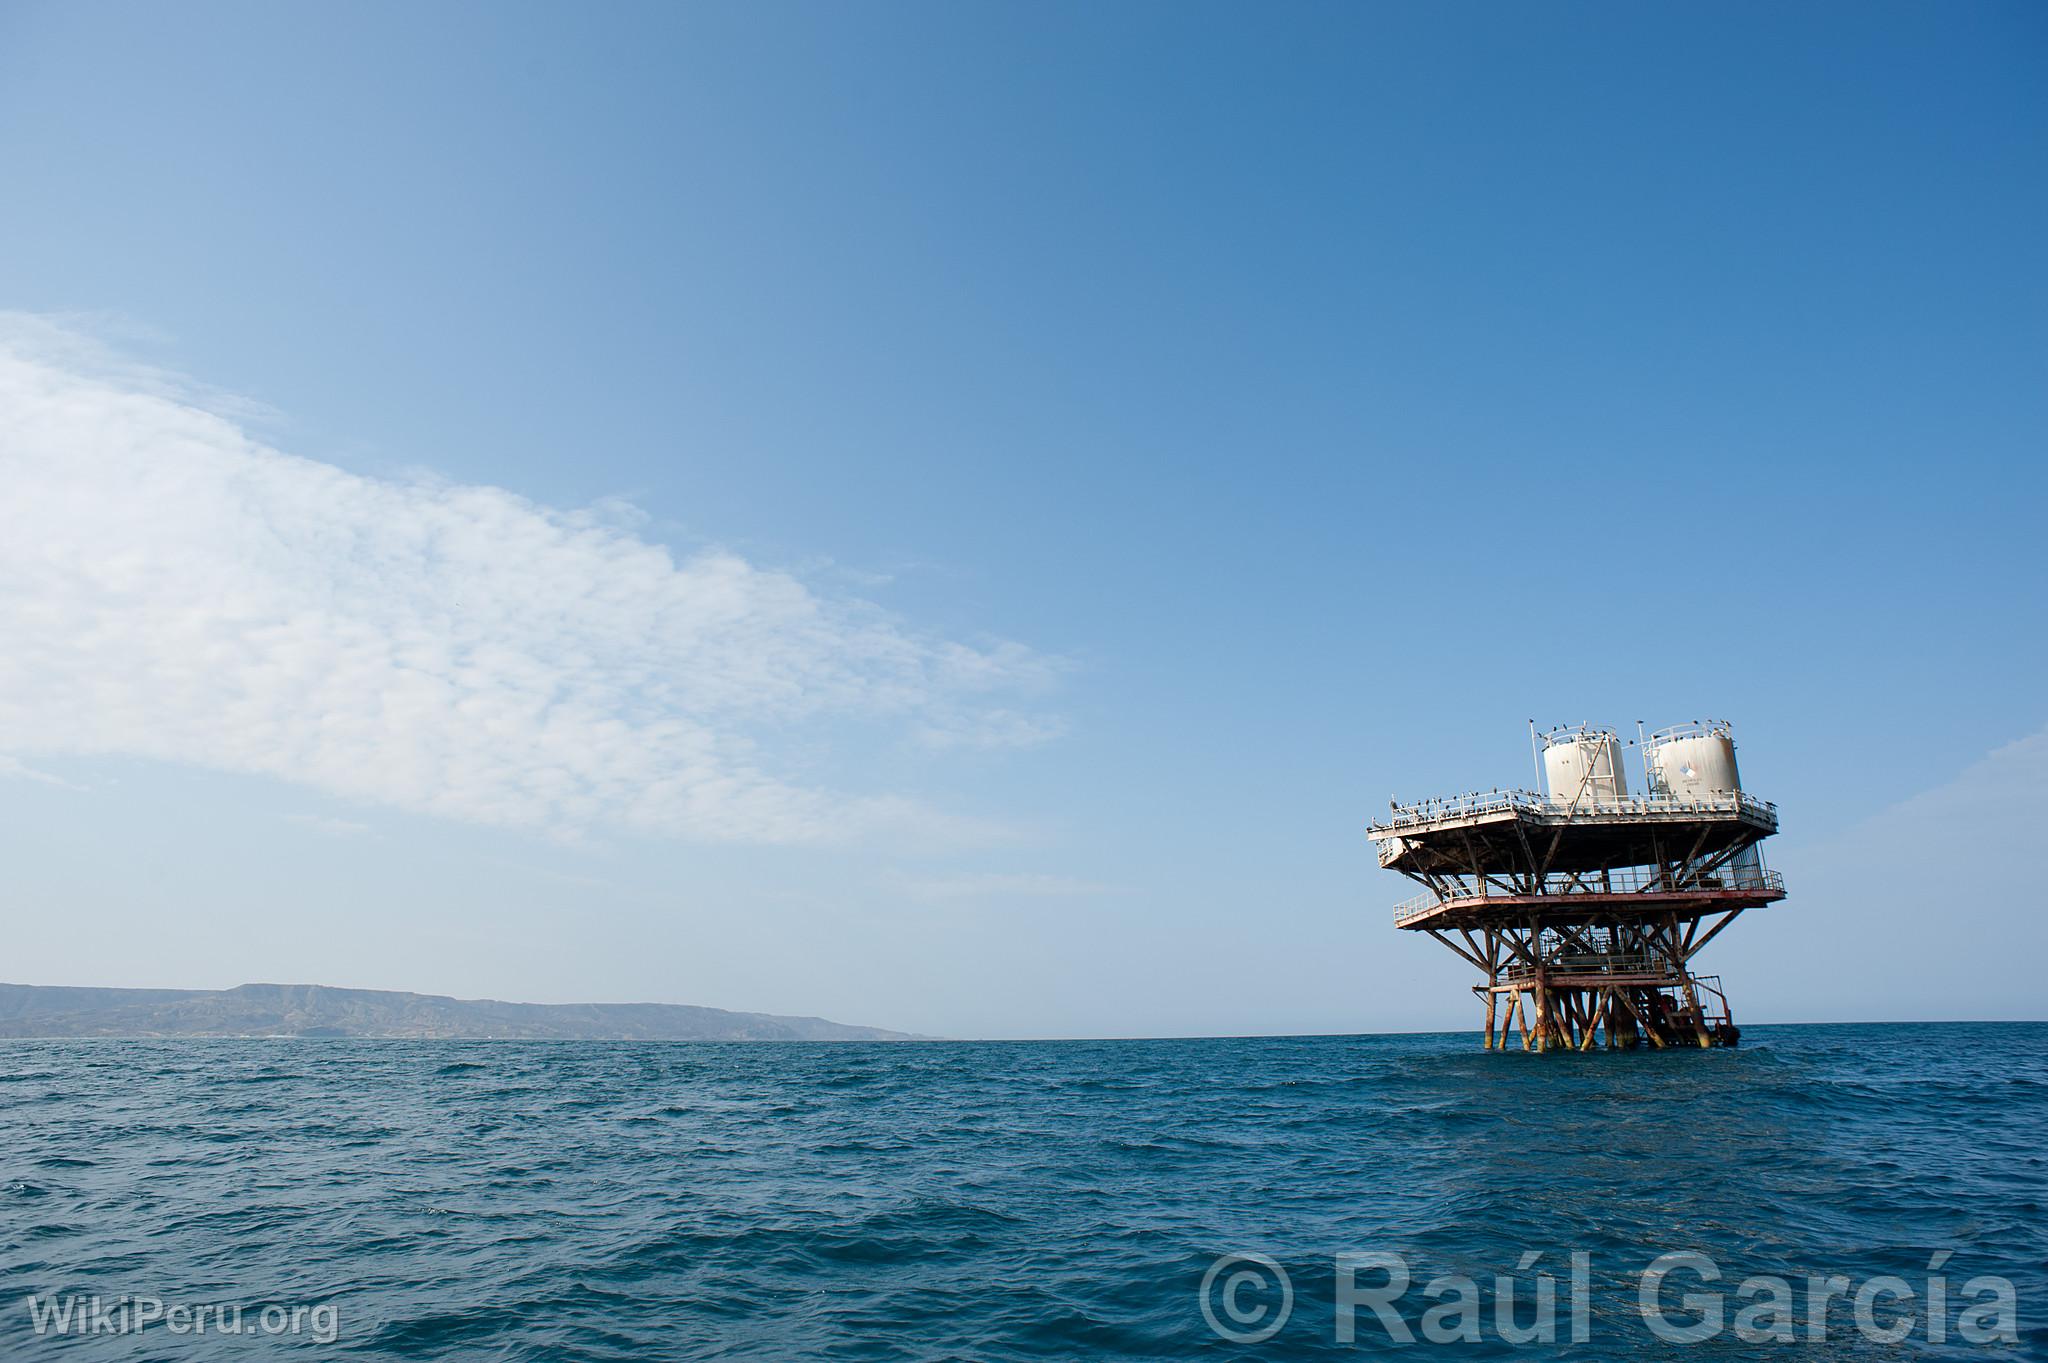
pixel 314 1010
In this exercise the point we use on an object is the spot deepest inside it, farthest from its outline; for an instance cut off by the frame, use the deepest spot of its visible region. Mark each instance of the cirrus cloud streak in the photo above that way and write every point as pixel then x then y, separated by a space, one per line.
pixel 172 588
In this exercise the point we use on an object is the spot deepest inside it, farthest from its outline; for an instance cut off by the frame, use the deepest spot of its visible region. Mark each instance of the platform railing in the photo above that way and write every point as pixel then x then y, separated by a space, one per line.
pixel 1596 964
pixel 1528 801
pixel 1625 880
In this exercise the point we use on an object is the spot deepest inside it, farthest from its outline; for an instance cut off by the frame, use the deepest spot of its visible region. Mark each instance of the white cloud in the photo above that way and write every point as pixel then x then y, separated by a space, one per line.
pixel 1926 909
pixel 15 769
pixel 992 728
pixel 1986 815
pixel 996 885
pixel 328 827
pixel 173 589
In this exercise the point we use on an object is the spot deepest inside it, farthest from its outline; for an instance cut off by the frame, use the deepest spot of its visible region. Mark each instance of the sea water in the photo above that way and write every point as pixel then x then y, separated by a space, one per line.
pixel 1248 1198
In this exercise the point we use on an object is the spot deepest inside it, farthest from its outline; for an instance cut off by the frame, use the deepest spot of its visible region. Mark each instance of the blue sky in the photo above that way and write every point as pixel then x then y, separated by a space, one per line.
pixel 1116 447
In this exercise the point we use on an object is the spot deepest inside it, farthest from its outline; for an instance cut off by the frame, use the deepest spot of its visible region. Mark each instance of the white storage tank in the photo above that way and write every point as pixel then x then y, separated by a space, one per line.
pixel 1692 761
pixel 1582 767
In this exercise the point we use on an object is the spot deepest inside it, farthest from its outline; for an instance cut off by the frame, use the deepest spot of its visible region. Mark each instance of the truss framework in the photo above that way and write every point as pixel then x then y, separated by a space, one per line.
pixel 1585 926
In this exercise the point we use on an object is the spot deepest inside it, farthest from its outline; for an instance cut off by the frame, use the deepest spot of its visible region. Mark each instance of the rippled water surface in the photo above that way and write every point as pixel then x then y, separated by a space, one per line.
pixel 521 1200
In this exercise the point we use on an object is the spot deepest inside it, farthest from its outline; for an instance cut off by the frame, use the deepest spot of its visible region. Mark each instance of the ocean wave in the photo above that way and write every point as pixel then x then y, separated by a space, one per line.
pixel 958 1200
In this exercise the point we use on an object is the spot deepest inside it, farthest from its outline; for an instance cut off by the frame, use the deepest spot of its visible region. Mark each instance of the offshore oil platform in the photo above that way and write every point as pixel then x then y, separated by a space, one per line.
pixel 1586 904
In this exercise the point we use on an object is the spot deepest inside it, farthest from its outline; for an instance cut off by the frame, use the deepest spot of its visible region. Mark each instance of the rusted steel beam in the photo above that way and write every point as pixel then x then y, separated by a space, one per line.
pixel 1697 843
pixel 1633 901
pixel 1455 947
pixel 1528 853
pixel 1692 947
pixel 1525 950
pixel 1723 857
pixel 1564 930
pixel 1472 852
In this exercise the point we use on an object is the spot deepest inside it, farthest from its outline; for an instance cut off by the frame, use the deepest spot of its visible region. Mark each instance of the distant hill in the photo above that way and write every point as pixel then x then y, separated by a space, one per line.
pixel 28 1010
